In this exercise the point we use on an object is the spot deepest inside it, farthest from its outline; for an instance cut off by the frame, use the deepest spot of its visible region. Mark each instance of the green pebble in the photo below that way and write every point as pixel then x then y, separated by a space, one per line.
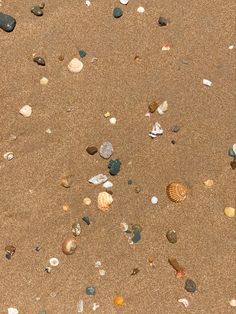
pixel 117 12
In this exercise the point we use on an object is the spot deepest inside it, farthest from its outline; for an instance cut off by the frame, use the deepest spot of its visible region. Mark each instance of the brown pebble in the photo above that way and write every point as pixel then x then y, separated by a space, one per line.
pixel 135 271
pixel 65 182
pixel 233 164
pixel 91 150
pixel 10 251
pixel 171 236
pixel 137 189
pixel 61 58
pixel 153 107
pixel 69 245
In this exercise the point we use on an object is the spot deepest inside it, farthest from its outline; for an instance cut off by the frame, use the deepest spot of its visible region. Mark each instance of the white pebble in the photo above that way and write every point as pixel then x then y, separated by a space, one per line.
pixel 112 120
pixel 88 3
pixel 154 200
pixel 234 148
pixel 8 156
pixel 49 131
pixel 98 179
pixel 107 185
pixel 102 272
pixel 231 47
pixel 232 302
pixel 206 82
pixel 95 306
pixel 75 65
pixel 140 10
pixel 162 108
pixel 43 81
pixel 98 264
pixel 80 306
pixel 165 48
pixel 124 1
pixel 12 310
pixel 26 111
pixel 184 302
pixel 54 261
pixel 156 130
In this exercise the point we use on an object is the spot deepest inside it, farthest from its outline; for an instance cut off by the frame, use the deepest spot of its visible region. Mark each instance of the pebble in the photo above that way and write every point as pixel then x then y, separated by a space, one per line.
pixel 153 107
pixel 206 82
pixel 26 111
pixel 114 167
pixel 102 272
pixel 75 65
pixel 162 108
pixel 140 10
pixel 107 185
pixel 98 179
pixel 229 212
pixel 112 120
pixel 66 207
pixel 7 22
pixel 10 251
pixel 91 150
pixel 42 312
pixel 43 81
pixel 8 156
pixel 107 114
pixel 137 189
pixel 69 245
pixel 86 219
pixel 162 21
pixel 124 1
pixel 165 48
pixel 232 302
pixel 209 183
pixel 154 200
pixel 130 181
pixel 12 310
pixel 136 236
pixel 54 261
pixel 37 10
pixel 76 229
pixel 87 201
pixel 88 3
pixel 231 152
pixel 90 290
pixel 48 131
pixel 118 300
pixel 173 142
pixel 171 236
pixel 48 269
pixel 156 130
pixel 98 264
pixel 175 128
pixel 190 286
pixel 95 306
pixel 82 53
pixel 184 301
pixel 80 306
pixel 106 150
pixel 65 182
pixel 231 47
pixel 39 61
pixel 233 164
pixel 117 12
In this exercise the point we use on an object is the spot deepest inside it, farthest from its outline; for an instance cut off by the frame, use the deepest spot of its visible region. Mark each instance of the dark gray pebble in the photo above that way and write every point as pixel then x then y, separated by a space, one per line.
pixel 162 21
pixel 90 290
pixel 190 286
pixel 7 22
pixel 171 236
pixel 86 219
pixel 173 142
pixel 136 236
pixel 39 61
pixel 175 128
pixel 37 10
pixel 117 12
pixel 82 53
pixel 114 167
pixel 231 152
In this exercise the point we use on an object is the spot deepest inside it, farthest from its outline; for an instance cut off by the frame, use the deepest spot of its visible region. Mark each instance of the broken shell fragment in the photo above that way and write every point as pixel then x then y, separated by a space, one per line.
pixel 69 245
pixel 75 66
pixel 8 156
pixel 98 179
pixel 229 212
pixel 184 302
pixel 26 111
pixel 87 201
pixel 232 302
pixel 206 82
pixel 43 81
pixel 104 201
pixel 162 108
pixel 65 182
pixel 76 229
pixel 209 183
pixel 177 192
pixel 156 130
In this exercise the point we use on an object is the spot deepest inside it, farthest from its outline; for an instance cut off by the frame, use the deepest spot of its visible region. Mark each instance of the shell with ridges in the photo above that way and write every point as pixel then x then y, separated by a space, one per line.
pixel 104 201
pixel 176 192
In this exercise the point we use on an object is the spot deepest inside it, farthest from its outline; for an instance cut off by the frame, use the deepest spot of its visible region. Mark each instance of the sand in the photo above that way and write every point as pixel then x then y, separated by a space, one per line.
pixel 73 107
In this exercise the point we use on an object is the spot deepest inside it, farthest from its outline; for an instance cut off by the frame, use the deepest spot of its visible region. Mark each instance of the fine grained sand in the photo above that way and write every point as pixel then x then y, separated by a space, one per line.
pixel 31 214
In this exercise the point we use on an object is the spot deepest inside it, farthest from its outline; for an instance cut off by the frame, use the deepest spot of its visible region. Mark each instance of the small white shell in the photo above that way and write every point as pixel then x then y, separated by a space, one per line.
pixel 206 82
pixel 234 148
pixel 75 66
pixel 124 226
pixel 88 3
pixel 43 81
pixel 107 185
pixel 98 264
pixel 112 120
pixel 140 10
pixel 8 156
pixel 154 200
pixel 26 111
pixel 87 201
pixel 80 306
pixel 104 201
pixel 156 130
pixel 184 301
pixel 232 302
pixel 162 108
pixel 12 310
pixel 102 272
pixel 98 179
pixel 54 261
pixel 95 306
pixel 124 1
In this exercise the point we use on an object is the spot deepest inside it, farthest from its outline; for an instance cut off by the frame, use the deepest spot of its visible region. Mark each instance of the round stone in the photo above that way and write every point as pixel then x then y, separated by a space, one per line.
pixel 175 128
pixel 7 22
pixel 232 302
pixel 90 290
pixel 113 121
pixel 91 150
pixel 117 12
pixel 119 300
pixel 229 212
pixel 140 10
pixel 171 236
pixel 87 201
pixel 106 150
pixel 75 65
pixel 154 200
pixel 190 286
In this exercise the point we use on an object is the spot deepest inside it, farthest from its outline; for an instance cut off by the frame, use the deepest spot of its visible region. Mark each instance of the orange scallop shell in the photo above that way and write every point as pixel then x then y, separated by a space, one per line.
pixel 176 192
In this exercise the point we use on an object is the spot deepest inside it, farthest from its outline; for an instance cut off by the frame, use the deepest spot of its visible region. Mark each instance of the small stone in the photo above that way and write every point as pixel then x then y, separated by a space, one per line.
pixel 119 300
pixel 98 179
pixel 10 251
pixel 82 53
pixel 190 286
pixel 136 236
pixel 75 65
pixel 140 10
pixel 137 189
pixel 102 272
pixel 156 130
pixel 95 306
pixel 175 128
pixel 112 121
pixel 38 248
pixel 66 207
pixel 173 142
pixel 42 312
pixel 171 236
pixel 233 164
pixel 54 261
pixel 39 61
pixel 98 264
pixel 80 306
pixel 165 48
pixel 48 131
pixel 106 150
pixel 107 185
pixel 209 183
pixel 231 47
pixel 91 150
pixel 117 12
pixel 7 22
pixel 162 108
pixel 37 10
pixel 232 302
pixel 184 301
pixel 8 156
pixel 114 167
pixel 90 290
pixel 26 111
pixel 48 269
pixel 76 229
pixel 65 182
pixel 154 200
pixel 153 107
pixel 12 137
pixel 206 82
pixel 162 21
pixel 43 81
pixel 130 182
pixel 86 219
pixel 124 1
pixel 12 310
pixel 61 58
pixel 88 3
pixel 229 212
pixel 107 114
pixel 87 201
pixel 135 271
pixel 231 152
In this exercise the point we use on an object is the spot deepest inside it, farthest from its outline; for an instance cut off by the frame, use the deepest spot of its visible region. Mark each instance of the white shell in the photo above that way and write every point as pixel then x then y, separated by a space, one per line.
pixel 231 47
pixel 112 121
pixel 49 131
pixel 75 66
pixel 98 264
pixel 12 310
pixel 26 111
pixel 124 226
pixel 80 306
pixel 8 156
pixel 98 179
pixel 95 306
pixel 184 302
pixel 156 130
pixel 124 1
pixel 140 10
pixel 54 261
pixel 88 3
pixel 154 200
pixel 162 108
pixel 102 272
pixel 107 185
pixel 206 82
pixel 165 48
pixel 234 148
pixel 232 302
pixel 44 81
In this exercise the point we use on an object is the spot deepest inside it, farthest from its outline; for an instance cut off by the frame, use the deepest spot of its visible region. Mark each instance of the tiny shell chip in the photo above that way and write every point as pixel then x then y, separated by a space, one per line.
pixel 232 302
pixel 106 150
pixel 156 130
pixel 80 306
pixel 124 226
pixel 184 302
pixel 75 66
pixel 154 200
pixel 102 272
pixel 113 120
pixel 229 212
pixel 8 156
pixel 104 201
pixel 87 201
pixel 140 10
pixel 95 306
pixel 54 261
pixel 98 179
pixel 76 229
pixel 43 81
pixel 209 183
pixel 26 111
pixel 107 185
pixel 12 310
pixel 234 148
pixel 162 108
pixel 177 192
pixel 124 1
pixel 206 82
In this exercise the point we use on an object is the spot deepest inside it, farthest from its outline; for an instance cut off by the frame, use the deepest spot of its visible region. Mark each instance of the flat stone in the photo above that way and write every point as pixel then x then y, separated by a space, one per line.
pixel 136 236
pixel 107 185
pixel 7 22
pixel 39 61
pixel 98 179
pixel 117 12
pixel 86 219
pixel 231 152
pixel 106 150
pixel 91 150
pixel 153 107
pixel 114 167
pixel 37 10
pixel 190 286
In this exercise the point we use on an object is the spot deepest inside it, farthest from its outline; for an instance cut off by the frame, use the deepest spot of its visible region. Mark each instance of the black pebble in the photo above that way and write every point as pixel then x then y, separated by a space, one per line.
pixel 173 142
pixel 7 22
pixel 190 286
pixel 82 53
pixel 39 61
pixel 86 220
pixel 37 10
pixel 162 21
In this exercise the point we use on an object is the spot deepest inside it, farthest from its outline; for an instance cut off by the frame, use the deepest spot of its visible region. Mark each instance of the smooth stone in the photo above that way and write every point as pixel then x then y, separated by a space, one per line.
pixel 229 212
pixel 154 200
pixel 39 60
pixel 136 236
pixel 86 219
pixel 12 310
pixel 124 1
pixel 82 53
pixel 171 236
pixel 231 152
pixel 162 21
pixel 175 128
pixel 75 65
pixel 98 179
pixel 43 81
pixel 190 286
pixel 90 290
pixel 37 10
pixel 106 150
pixel 117 12
pixel 153 107
pixel 140 10
pixel 107 185
pixel 7 22
pixel 114 167
pixel 91 150
pixel 130 182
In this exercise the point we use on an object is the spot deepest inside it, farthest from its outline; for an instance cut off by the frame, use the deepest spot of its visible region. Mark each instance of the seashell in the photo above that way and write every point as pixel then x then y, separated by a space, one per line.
pixel 54 261
pixel 176 192
pixel 156 130
pixel 95 306
pixel 209 183
pixel 98 179
pixel 75 66
pixel 162 108
pixel 184 302
pixel 229 212
pixel 12 310
pixel 87 201
pixel 232 302
pixel 43 81
pixel 76 229
pixel 69 245
pixel 104 201
pixel 140 10
pixel 8 156
pixel 112 120
pixel 26 111
pixel 107 185
pixel 206 82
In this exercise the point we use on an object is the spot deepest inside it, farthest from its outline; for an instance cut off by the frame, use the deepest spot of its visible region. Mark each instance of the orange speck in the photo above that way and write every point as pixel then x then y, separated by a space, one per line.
pixel 119 300
pixel 66 207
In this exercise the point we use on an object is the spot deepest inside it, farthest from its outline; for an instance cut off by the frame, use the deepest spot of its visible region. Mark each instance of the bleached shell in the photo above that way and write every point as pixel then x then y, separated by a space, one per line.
pixel 104 201
pixel 176 192
pixel 156 130
pixel 12 310
pixel 8 156
pixel 26 111
pixel 124 1
pixel 107 185
pixel 54 261
pixel 162 108
pixel 234 148
pixel 98 179
pixel 43 81
pixel 229 212
pixel 206 82
pixel 75 66
pixel 233 302
pixel 184 302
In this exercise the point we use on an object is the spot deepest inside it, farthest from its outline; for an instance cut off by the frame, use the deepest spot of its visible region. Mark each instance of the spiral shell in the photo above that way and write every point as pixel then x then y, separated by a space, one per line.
pixel 176 192
pixel 104 201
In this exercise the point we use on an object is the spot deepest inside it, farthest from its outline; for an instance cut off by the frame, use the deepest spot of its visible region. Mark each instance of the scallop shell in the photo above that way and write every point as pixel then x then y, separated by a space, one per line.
pixel 176 192
pixel 104 201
